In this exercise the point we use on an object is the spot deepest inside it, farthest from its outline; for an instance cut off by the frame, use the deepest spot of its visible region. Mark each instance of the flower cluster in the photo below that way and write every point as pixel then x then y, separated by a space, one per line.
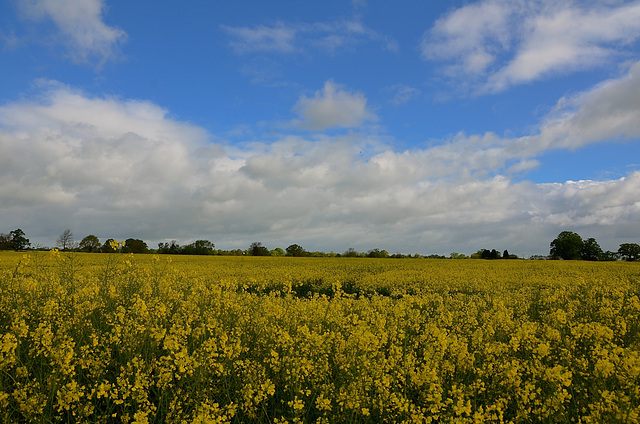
pixel 123 339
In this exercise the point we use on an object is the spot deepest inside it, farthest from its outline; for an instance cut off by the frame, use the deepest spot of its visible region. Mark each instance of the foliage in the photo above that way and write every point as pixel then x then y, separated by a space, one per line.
pixel 351 253
pixel 629 251
pixel 132 245
pixel 109 246
pixel 609 256
pixel 257 249
pixel 124 338
pixel 490 254
pixel 172 248
pixel 19 241
pixel 591 250
pixel 89 244
pixel 568 246
pixel 198 247
pixel 377 253
pixel 295 250
pixel 5 241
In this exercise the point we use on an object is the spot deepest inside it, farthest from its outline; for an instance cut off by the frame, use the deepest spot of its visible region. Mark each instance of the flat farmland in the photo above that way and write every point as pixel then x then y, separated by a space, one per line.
pixel 116 338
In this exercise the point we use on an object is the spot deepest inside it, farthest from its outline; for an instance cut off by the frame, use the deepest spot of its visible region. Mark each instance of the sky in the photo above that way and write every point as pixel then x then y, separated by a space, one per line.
pixel 431 128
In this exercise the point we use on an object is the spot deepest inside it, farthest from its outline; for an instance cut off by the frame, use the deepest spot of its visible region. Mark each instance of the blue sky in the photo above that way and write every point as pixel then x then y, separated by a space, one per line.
pixel 431 128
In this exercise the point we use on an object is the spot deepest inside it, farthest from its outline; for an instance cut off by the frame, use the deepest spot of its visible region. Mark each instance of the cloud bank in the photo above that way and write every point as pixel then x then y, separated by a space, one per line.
pixel 123 168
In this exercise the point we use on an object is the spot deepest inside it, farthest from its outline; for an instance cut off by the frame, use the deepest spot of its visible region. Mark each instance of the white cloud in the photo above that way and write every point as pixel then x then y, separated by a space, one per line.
pixel 473 34
pixel 297 37
pixel 608 112
pixel 278 38
pixel 81 24
pixel 503 43
pixel 120 168
pixel 402 93
pixel 333 107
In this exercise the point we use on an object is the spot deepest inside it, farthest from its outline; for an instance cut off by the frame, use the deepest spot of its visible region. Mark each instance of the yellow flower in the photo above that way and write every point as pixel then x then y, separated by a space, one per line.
pixel 140 417
pixel 296 404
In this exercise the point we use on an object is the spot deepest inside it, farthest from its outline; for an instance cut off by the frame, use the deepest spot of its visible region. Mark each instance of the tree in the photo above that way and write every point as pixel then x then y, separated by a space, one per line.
pixel 629 251
pixel 351 253
pixel 568 246
pixel 135 246
pixel 5 241
pixel 18 240
pixel 257 249
pixel 166 248
pixel 610 256
pixel 198 247
pixel 478 254
pixel 591 250
pixel 295 250
pixel 90 243
pixel 106 247
pixel 203 247
pixel 377 253
pixel 65 240
pixel 490 254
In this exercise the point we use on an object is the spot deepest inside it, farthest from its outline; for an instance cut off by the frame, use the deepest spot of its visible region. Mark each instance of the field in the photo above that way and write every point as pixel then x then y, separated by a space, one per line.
pixel 151 339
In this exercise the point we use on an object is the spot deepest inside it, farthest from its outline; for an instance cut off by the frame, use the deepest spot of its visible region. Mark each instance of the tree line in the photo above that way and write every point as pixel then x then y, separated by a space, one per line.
pixel 567 245
pixel 570 246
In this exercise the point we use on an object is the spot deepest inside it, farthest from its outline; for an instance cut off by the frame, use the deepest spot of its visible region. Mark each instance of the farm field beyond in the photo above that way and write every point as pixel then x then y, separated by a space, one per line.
pixel 115 338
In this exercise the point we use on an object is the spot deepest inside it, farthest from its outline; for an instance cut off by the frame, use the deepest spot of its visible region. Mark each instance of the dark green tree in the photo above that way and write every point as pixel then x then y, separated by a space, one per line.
pixel 203 247
pixel 106 246
pixel 198 247
pixel 610 256
pixel 5 241
pixel 629 251
pixel 351 253
pixel 377 253
pixel 490 254
pixel 132 245
pixel 591 250
pixel 257 249
pixel 90 243
pixel 18 240
pixel 172 248
pixel 567 246
pixel 295 250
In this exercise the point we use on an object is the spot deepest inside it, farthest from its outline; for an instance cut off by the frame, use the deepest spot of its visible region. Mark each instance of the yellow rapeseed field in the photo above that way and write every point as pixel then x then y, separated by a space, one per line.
pixel 114 338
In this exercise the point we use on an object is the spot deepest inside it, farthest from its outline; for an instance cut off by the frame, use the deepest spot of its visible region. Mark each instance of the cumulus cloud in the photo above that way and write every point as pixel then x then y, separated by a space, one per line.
pixel 81 25
pixel 121 168
pixel 503 43
pixel 333 107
